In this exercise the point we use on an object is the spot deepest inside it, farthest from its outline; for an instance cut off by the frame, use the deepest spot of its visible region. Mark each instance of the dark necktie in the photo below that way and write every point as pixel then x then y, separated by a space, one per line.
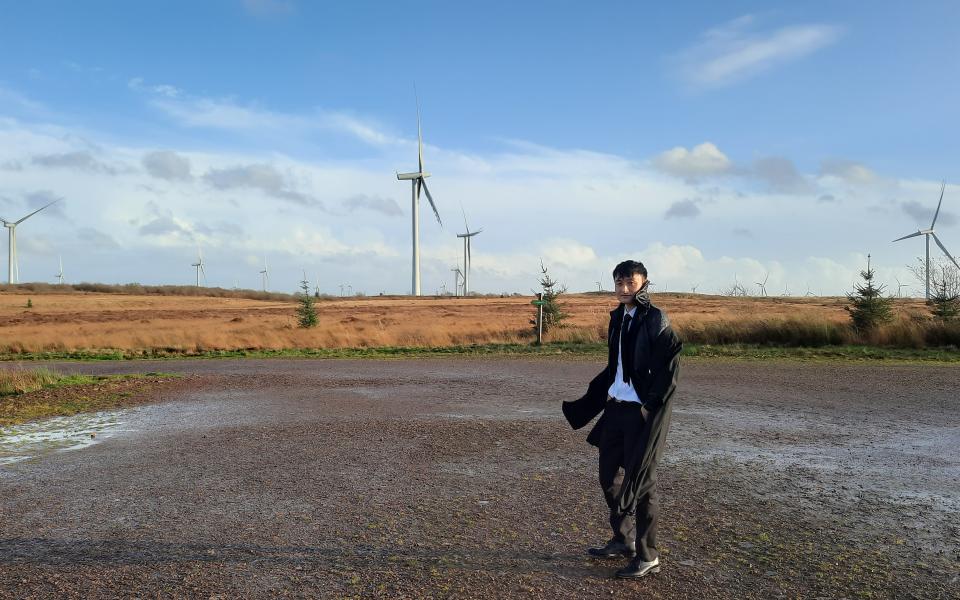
pixel 624 346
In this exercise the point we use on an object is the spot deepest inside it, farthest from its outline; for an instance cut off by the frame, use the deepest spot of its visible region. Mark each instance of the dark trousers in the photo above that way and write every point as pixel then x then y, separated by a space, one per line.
pixel 630 448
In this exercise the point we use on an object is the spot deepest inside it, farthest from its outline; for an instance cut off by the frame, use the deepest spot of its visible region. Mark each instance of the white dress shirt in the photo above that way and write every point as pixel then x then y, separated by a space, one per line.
pixel 620 389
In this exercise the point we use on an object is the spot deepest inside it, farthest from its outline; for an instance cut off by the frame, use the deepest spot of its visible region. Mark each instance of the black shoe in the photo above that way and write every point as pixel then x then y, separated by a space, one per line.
pixel 639 568
pixel 613 549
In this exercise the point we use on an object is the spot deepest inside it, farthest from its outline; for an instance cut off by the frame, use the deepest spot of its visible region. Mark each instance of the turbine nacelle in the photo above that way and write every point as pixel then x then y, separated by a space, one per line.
pixel 409 176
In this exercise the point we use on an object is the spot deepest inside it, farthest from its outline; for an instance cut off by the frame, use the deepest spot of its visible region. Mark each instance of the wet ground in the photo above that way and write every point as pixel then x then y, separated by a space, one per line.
pixel 459 478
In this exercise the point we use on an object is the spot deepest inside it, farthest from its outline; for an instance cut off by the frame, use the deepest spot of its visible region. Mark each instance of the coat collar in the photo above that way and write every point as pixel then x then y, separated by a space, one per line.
pixel 642 308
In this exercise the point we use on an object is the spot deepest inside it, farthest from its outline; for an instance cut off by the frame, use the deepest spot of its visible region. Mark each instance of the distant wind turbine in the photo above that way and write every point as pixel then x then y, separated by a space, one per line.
pixel 199 267
pixel 457 274
pixel 266 274
pixel 467 255
pixel 763 285
pixel 13 269
pixel 900 287
pixel 418 181
pixel 60 274
pixel 927 234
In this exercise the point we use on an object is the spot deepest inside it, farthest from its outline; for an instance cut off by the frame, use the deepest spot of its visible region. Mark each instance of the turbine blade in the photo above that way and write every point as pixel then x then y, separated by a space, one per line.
pixel 945 251
pixel 35 212
pixel 464 217
pixel 909 236
pixel 943 186
pixel 419 133
pixel 469 253
pixel 430 198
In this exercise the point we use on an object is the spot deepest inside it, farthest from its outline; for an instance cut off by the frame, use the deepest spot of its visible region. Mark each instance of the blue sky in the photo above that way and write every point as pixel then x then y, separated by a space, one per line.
pixel 736 139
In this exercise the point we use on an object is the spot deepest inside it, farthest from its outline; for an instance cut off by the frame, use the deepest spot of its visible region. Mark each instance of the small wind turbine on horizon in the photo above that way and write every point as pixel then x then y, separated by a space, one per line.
pixel 900 287
pixel 763 285
pixel 927 234
pixel 60 274
pixel 199 267
pixel 13 269
pixel 266 274
pixel 467 256
pixel 418 181
pixel 457 274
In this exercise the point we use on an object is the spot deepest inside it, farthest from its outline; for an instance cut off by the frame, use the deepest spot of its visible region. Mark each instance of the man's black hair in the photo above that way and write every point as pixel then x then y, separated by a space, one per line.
pixel 629 268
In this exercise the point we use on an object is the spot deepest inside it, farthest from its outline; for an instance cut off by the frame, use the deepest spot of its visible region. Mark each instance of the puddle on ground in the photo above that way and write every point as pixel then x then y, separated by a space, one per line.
pixel 58 434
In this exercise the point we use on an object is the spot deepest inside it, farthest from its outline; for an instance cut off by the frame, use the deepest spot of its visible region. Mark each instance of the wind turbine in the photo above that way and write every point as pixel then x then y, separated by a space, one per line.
pixel 927 234
pixel 199 267
pixel 60 274
pixel 13 270
pixel 457 274
pixel 266 274
pixel 900 287
pixel 417 181
pixel 467 257
pixel 763 285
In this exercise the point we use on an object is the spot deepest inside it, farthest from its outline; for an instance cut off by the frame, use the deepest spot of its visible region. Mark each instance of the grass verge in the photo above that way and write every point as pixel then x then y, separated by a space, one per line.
pixel 28 394
pixel 557 349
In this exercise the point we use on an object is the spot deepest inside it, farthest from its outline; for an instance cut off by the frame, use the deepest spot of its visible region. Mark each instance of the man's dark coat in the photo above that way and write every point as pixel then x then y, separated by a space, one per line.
pixel 653 367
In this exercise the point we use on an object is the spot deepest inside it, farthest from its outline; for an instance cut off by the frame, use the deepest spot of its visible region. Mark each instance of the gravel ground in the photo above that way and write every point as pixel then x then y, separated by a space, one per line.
pixel 459 478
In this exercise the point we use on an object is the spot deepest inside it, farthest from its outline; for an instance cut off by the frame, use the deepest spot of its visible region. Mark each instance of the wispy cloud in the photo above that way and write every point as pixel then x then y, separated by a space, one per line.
pixel 683 209
pixel 164 164
pixel 387 206
pixel 734 51
pixel 227 115
pixel 263 177
pixel 82 160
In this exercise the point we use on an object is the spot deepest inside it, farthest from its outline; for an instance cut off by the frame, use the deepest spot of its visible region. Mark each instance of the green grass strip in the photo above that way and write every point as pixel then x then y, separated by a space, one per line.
pixel 558 349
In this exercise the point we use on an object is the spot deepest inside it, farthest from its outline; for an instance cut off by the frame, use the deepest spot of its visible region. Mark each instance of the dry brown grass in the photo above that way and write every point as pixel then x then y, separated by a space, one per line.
pixel 91 321
pixel 20 381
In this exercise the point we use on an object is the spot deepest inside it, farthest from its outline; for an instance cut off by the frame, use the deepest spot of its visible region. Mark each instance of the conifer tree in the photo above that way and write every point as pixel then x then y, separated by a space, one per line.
pixel 868 307
pixel 553 315
pixel 306 312
pixel 946 304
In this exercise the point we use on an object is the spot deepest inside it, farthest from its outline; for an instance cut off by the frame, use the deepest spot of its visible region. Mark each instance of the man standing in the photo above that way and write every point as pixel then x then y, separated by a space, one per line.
pixel 634 394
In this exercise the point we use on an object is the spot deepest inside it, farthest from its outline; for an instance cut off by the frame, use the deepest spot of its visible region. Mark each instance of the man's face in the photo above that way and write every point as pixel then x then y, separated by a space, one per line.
pixel 627 287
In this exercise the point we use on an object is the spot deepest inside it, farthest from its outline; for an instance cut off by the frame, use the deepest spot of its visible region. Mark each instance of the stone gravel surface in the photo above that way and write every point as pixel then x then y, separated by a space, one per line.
pixel 459 478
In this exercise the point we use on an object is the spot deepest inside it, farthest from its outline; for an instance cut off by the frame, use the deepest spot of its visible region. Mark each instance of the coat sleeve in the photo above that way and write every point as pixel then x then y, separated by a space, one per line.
pixel 664 366
pixel 580 412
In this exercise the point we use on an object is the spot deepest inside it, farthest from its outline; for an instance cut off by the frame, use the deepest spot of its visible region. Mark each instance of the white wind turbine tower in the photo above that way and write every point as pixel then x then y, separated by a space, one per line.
pixel 763 285
pixel 265 274
pixel 467 258
pixel 927 234
pixel 60 274
pixel 199 267
pixel 457 274
pixel 13 269
pixel 417 181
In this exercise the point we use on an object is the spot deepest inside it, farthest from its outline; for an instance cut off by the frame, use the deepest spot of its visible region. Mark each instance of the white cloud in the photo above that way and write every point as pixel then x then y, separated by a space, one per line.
pixel 704 159
pixel 581 211
pixel 226 114
pixel 732 53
